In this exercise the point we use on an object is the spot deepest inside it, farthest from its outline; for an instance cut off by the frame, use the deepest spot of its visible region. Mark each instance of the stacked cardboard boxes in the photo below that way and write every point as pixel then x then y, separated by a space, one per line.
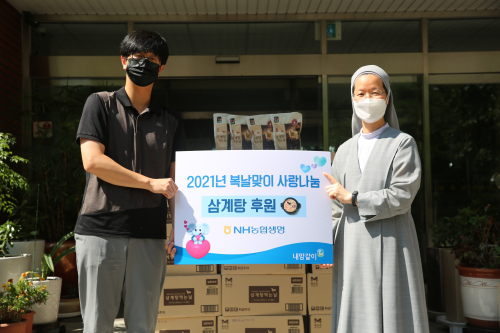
pixel 319 294
pixel 261 324
pixel 190 300
pixel 320 323
pixel 319 299
pixel 191 325
pixel 263 298
pixel 245 298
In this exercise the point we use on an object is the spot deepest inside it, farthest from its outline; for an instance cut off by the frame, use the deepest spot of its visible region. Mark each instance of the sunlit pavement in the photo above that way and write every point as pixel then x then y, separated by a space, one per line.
pixel 75 325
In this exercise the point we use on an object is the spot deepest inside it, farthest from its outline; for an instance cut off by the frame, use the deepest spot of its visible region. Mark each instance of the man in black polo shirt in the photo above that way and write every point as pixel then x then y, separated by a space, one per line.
pixel 128 143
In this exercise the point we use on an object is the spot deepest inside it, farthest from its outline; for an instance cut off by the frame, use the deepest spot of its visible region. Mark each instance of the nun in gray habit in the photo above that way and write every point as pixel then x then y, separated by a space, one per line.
pixel 377 277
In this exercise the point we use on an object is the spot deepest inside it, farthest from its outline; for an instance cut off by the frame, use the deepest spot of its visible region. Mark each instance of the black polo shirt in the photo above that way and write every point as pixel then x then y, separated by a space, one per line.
pixel 144 143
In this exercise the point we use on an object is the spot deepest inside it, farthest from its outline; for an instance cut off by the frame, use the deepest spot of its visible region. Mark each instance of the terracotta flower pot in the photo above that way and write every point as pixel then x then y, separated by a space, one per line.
pixel 66 267
pixel 478 287
pixel 14 328
pixel 29 321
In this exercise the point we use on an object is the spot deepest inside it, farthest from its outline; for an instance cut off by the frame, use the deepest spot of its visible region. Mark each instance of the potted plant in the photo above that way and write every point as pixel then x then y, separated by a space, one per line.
pixel 440 263
pixel 27 239
pixel 11 266
pixel 443 236
pixel 477 247
pixel 47 313
pixel 56 167
pixel 16 303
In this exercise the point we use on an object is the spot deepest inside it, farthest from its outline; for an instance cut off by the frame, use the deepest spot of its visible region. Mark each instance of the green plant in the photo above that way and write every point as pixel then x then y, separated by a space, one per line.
pixel 22 215
pixel 497 252
pixel 17 299
pixel 446 231
pixel 55 161
pixel 474 234
pixel 48 262
pixel 56 164
pixel 8 232
pixel 9 179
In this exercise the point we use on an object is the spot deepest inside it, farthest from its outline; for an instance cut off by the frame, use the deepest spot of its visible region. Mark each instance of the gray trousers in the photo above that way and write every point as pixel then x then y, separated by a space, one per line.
pixel 109 268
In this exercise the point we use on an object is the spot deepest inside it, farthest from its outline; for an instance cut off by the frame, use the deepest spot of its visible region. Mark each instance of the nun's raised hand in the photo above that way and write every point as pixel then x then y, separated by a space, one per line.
pixel 337 191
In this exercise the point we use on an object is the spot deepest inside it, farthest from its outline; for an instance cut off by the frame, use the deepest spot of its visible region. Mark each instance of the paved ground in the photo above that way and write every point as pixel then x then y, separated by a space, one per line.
pixel 75 325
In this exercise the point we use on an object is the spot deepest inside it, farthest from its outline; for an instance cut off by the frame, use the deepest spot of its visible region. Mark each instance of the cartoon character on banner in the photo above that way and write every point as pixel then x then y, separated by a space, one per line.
pixel 198 246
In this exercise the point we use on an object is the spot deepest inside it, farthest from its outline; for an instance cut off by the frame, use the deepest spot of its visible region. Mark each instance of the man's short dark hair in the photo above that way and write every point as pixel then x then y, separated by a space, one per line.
pixel 145 41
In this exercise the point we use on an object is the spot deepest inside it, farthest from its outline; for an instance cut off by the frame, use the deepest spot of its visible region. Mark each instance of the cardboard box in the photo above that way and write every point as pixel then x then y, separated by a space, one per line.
pixel 317 270
pixel 190 296
pixel 253 295
pixel 185 270
pixel 186 325
pixel 263 269
pixel 261 324
pixel 319 293
pixel 320 323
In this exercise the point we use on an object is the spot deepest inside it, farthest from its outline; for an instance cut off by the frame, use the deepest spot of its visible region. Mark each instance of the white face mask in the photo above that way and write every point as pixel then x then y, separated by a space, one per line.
pixel 370 110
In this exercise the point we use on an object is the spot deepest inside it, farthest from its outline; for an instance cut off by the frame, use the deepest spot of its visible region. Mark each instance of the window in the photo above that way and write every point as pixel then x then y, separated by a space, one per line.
pixel 77 39
pixel 465 146
pixel 377 37
pixel 464 35
pixel 237 38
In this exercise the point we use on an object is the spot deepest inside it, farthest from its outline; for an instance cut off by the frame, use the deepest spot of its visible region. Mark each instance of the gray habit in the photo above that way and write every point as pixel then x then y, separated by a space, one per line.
pixel 377 277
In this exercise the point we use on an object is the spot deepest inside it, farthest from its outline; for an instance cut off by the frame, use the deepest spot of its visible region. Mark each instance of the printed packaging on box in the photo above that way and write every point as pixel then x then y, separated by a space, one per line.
pixel 252 295
pixel 186 325
pixel 261 324
pixel 190 296
pixel 222 132
pixel 319 293
pixel 317 270
pixel 169 229
pixel 264 269
pixel 320 323
pixel 183 270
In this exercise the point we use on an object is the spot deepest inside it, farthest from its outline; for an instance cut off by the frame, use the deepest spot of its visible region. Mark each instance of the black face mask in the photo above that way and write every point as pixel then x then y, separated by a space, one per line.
pixel 142 72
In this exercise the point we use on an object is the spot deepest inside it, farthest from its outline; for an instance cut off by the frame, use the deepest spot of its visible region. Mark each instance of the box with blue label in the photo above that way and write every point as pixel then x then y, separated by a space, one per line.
pixel 254 295
pixel 261 324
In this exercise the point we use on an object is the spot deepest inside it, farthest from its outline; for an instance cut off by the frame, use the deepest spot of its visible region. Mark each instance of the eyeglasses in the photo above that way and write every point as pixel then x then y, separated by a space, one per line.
pixel 152 59
pixel 378 94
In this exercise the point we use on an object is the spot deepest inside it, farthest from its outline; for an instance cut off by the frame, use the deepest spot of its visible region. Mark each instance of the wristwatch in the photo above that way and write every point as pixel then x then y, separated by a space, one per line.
pixel 354 197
